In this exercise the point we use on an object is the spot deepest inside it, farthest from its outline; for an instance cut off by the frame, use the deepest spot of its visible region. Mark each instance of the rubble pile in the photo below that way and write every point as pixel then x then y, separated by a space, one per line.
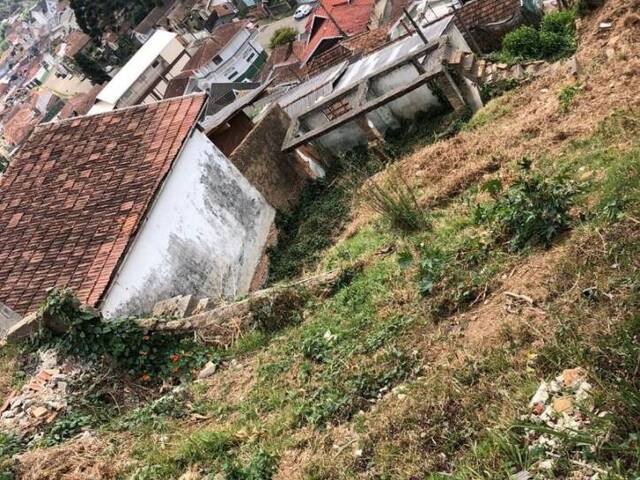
pixel 559 408
pixel 43 399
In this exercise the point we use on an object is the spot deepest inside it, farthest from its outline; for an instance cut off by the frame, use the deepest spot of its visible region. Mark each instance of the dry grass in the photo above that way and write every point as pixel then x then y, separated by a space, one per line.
pixel 82 459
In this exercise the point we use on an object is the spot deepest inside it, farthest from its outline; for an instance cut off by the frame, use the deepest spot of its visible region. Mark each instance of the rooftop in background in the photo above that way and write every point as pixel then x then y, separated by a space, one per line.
pixel 212 45
pixel 132 70
pixel 80 104
pixel 333 20
pixel 75 194
pixel 75 42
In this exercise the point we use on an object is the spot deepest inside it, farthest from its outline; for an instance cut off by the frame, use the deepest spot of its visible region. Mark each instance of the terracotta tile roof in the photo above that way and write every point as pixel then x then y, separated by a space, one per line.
pixel 213 44
pixel 75 193
pixel 284 63
pixel 177 86
pixel 76 41
pixel 20 124
pixel 80 104
pixel 351 16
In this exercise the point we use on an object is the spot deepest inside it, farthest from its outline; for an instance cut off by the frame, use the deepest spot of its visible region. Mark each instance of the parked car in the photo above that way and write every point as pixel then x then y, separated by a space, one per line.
pixel 302 11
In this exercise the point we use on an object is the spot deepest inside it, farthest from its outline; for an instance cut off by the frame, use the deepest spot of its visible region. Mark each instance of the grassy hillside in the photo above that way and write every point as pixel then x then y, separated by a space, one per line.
pixel 521 262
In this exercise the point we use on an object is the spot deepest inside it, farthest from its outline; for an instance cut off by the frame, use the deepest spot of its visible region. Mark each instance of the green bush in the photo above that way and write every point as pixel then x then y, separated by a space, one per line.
pixel 532 211
pixel 524 42
pixel 282 36
pixel 554 39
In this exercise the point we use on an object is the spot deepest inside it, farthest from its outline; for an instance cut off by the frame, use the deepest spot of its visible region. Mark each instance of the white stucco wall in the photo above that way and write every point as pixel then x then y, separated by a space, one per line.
pixel 237 56
pixel 204 235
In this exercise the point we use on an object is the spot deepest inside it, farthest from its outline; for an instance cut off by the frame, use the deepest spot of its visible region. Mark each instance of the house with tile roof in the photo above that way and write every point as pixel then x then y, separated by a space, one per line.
pixel 127 208
pixel 334 20
pixel 232 53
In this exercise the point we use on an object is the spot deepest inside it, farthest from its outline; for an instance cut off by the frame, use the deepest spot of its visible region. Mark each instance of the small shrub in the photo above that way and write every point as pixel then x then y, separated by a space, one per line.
pixel 566 96
pixel 65 428
pixel 284 309
pixel 532 211
pixel 523 42
pixel 396 201
pixel 282 36
pixel 554 39
pixel 432 263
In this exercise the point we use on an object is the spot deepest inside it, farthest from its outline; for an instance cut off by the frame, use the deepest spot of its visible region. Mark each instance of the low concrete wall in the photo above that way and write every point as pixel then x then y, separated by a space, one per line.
pixel 278 176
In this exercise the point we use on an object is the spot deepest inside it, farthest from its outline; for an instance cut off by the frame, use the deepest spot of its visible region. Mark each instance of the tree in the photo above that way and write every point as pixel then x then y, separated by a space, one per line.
pixel 91 68
pixel 283 36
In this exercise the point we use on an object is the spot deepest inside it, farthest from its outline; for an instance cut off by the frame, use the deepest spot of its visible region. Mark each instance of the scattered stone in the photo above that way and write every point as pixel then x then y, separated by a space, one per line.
pixel 563 404
pixel 541 396
pixel 208 370
pixel 39 412
pixel 572 377
pixel 604 26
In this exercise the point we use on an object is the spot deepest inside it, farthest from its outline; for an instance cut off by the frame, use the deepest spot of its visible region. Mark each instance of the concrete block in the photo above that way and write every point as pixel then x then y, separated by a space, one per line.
pixel 8 318
pixel 176 307
pixel 24 328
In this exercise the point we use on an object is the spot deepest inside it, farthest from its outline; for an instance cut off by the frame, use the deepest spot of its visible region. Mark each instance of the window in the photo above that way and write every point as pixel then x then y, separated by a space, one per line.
pixel 233 75
pixel 217 59
pixel 249 54
pixel 155 63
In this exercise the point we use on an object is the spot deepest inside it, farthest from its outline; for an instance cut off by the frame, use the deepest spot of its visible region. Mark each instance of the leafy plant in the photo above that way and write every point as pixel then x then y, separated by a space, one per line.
pixel 65 428
pixel 151 356
pixel 532 211
pixel 262 466
pixel 567 95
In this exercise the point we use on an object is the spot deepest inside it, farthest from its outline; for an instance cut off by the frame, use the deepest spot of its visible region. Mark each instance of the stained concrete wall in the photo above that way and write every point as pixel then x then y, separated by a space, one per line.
pixel 204 235
pixel 280 177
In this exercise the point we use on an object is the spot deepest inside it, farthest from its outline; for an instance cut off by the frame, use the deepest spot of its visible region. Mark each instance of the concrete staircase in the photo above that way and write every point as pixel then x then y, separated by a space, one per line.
pixel 484 72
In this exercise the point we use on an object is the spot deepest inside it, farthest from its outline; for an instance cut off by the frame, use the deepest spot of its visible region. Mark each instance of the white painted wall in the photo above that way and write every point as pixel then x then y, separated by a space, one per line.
pixel 204 235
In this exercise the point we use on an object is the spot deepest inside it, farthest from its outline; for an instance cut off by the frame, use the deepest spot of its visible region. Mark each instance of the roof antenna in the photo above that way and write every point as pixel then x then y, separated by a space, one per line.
pixel 415 25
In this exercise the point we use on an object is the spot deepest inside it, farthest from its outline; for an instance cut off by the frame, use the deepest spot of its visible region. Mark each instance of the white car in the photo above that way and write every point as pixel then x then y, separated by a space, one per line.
pixel 302 11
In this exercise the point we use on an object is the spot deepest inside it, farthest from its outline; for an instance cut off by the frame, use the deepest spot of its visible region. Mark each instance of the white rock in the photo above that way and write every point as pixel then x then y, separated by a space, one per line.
pixel 541 395
pixel 208 370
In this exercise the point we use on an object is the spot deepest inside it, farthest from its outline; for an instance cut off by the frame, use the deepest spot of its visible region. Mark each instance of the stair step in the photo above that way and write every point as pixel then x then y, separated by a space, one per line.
pixel 468 62
pixel 455 57
pixel 480 67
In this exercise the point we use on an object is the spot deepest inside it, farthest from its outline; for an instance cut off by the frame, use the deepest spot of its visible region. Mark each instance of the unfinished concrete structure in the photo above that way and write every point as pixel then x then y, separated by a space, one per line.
pixel 380 90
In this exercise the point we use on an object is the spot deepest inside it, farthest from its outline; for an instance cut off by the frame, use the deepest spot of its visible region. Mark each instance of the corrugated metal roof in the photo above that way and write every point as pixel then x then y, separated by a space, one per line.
pixel 298 99
pixel 345 76
pixel 383 57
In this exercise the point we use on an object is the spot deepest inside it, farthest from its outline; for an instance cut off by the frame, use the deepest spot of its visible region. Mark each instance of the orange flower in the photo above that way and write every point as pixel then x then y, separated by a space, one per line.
pixel 175 357
pixel 146 377
pixel 146 337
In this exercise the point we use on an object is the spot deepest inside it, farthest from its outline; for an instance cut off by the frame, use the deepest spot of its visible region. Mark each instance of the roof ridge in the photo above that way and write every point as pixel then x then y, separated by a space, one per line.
pixel 118 110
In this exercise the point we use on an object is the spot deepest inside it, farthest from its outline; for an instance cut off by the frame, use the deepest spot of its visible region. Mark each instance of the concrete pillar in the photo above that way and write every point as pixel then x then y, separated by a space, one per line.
pixel 451 91
pixel 8 318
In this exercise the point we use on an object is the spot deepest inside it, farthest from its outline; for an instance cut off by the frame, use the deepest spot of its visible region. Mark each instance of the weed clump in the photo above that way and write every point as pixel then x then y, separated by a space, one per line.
pixel 396 201
pixel 531 212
